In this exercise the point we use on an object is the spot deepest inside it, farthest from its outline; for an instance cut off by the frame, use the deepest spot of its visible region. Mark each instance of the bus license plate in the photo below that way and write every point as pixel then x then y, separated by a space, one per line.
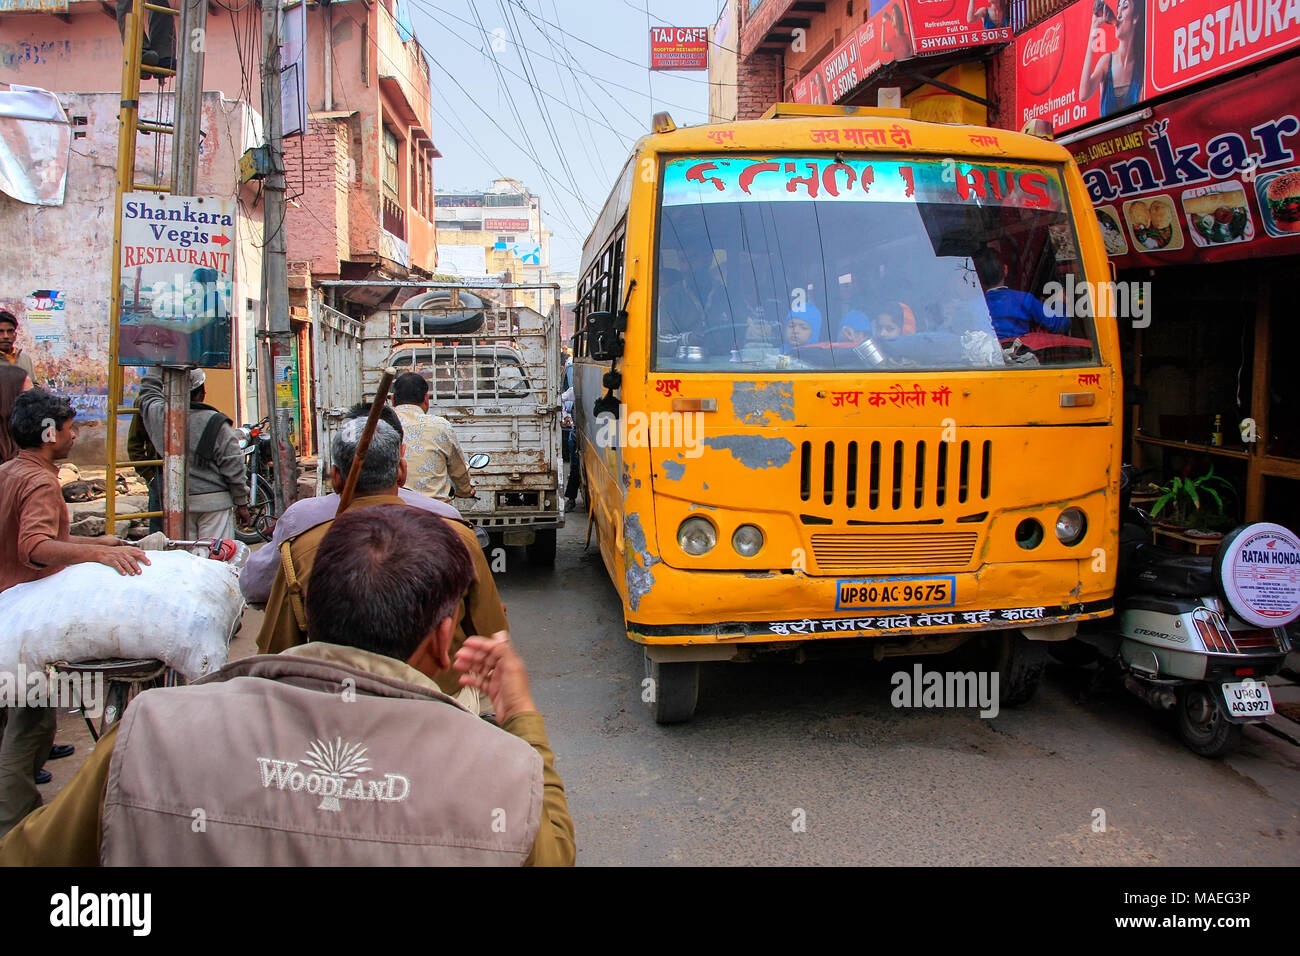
pixel 1248 699
pixel 894 593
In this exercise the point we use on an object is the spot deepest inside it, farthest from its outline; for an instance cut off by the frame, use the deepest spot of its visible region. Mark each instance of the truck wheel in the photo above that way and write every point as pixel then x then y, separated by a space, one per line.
pixel 1020 664
pixel 1202 724
pixel 542 551
pixel 676 689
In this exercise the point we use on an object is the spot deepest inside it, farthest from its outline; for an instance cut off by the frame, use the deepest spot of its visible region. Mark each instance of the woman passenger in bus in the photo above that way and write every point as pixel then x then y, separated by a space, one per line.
pixel 896 321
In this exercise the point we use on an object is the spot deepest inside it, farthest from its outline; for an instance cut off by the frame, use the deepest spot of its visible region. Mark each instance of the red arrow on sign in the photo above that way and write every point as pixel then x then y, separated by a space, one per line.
pixel 220 240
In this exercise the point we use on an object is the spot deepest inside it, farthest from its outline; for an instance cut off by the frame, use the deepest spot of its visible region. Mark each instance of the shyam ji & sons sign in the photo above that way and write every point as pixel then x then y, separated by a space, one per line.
pixel 177 280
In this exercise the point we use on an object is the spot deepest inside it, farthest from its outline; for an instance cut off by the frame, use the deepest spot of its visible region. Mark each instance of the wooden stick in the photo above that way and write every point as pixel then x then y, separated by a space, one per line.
pixel 363 446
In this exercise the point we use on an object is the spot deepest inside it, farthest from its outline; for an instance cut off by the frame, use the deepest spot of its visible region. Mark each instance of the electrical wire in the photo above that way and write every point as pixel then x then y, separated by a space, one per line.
pixel 514 109
pixel 546 115
pixel 539 25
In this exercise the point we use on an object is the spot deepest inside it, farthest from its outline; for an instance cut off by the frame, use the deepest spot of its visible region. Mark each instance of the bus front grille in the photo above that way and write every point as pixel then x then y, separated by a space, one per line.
pixel 861 551
pixel 887 477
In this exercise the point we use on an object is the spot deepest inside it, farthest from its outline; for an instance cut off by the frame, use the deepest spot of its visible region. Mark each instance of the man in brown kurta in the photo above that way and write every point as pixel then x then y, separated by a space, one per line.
pixel 481 611
pixel 35 543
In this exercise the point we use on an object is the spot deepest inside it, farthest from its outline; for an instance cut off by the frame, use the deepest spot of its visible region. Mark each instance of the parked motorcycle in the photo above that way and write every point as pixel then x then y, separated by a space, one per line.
pixel 1199 635
pixel 255 440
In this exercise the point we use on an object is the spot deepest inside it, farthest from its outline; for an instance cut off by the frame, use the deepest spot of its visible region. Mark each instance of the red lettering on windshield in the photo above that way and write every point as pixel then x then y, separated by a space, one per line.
pixel 906 173
pixel 808 182
pixel 1034 186
pixel 828 177
pixel 696 175
pixel 752 170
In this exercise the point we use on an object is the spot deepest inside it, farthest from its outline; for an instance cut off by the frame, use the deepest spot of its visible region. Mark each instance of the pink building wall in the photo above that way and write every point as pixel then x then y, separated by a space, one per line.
pixel 83 53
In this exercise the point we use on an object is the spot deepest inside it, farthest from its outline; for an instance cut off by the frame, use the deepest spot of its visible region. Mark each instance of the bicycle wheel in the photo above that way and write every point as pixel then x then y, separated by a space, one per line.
pixel 261 513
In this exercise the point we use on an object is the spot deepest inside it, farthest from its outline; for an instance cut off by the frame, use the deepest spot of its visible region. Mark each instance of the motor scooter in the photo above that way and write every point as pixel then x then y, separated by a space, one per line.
pixel 1199 635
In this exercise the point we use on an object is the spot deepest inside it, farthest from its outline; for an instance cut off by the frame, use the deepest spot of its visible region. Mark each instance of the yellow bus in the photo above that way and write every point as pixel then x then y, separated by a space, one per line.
pixel 838 376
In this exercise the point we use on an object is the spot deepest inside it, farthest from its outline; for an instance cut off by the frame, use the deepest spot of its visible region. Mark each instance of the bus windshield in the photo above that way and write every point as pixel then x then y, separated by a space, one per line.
pixel 821 262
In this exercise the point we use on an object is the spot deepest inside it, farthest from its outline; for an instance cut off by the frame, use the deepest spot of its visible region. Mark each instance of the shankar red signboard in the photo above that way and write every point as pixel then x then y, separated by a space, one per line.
pixel 679 48
pixel 1097 58
pixel 1209 177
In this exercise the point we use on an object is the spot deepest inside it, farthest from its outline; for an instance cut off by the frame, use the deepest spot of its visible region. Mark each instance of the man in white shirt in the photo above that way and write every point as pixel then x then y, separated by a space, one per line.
pixel 435 463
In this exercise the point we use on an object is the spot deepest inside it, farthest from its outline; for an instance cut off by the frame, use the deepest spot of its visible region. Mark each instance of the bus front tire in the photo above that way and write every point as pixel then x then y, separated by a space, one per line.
pixel 1020 665
pixel 674 689
pixel 542 551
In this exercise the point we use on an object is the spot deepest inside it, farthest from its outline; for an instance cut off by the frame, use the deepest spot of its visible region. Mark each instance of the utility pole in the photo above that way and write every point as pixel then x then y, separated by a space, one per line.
pixel 190 43
pixel 275 270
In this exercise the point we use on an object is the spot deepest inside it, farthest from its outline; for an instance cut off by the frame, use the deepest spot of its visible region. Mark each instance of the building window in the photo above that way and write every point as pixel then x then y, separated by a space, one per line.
pixel 392 164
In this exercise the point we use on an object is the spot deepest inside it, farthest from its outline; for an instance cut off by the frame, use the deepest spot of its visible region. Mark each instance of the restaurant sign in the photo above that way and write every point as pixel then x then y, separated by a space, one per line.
pixel 1209 177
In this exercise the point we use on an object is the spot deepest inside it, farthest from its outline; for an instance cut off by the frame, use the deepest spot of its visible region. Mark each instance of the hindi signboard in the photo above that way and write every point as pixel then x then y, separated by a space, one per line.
pixel 178 262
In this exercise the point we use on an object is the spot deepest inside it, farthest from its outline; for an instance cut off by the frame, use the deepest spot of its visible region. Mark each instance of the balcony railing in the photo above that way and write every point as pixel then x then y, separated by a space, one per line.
pixel 394 217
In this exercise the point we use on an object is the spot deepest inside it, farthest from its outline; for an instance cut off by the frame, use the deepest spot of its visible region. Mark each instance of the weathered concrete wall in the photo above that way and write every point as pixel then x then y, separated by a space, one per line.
pixel 69 249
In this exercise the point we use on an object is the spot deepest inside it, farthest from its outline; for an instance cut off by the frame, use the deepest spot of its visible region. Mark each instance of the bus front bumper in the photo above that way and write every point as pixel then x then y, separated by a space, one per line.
pixel 723 608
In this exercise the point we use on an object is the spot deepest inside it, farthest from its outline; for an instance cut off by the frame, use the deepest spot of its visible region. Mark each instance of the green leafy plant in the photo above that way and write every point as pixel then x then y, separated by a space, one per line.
pixel 1188 499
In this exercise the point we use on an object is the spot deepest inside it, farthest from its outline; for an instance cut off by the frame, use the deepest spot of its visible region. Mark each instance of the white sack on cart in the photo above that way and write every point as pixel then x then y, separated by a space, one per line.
pixel 181 609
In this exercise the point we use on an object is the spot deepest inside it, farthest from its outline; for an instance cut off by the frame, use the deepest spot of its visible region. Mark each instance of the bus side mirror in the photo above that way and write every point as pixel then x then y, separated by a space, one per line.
pixel 603 340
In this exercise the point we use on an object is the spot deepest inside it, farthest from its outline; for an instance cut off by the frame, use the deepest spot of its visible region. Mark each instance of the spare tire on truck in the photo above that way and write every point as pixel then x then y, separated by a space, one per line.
pixel 431 313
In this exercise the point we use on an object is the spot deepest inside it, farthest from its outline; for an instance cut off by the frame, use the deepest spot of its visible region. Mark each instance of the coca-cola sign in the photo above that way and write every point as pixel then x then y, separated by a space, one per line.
pixel 1099 58
pixel 1040 58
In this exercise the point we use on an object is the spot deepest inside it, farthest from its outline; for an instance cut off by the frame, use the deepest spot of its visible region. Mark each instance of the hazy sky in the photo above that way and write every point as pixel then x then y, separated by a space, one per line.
pixel 587 63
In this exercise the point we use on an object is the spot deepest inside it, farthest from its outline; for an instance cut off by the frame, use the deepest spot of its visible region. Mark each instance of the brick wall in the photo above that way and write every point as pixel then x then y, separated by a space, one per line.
pixel 1002 88
pixel 317 175
pixel 758 80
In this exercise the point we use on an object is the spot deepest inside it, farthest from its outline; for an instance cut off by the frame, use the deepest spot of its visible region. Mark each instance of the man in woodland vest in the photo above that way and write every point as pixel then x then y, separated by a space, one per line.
pixel 332 753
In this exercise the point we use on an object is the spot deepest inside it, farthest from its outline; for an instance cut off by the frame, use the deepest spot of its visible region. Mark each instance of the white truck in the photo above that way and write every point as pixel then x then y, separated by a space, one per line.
pixel 494 371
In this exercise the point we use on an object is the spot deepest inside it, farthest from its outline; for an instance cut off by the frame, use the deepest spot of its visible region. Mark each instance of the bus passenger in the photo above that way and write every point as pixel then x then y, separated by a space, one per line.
pixel 802 328
pixel 1014 313
pixel 855 327
pixel 892 323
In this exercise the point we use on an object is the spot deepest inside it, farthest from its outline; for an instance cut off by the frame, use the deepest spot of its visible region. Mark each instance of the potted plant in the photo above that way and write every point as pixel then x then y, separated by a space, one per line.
pixel 1195 503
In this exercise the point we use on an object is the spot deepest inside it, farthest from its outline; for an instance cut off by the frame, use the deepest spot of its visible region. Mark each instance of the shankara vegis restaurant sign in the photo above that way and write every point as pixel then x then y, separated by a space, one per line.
pixel 1098 58
pixel 178 274
pixel 1209 177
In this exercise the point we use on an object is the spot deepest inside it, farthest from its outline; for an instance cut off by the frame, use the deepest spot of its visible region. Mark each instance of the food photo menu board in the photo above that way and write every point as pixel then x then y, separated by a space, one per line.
pixel 1209 177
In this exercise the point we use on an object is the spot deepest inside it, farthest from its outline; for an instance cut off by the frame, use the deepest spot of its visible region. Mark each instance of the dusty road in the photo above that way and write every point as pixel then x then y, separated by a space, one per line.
pixel 874 784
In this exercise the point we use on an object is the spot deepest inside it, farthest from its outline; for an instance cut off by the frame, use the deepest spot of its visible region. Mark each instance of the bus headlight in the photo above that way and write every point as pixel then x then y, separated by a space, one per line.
pixel 1029 534
pixel 696 536
pixel 748 540
pixel 1071 526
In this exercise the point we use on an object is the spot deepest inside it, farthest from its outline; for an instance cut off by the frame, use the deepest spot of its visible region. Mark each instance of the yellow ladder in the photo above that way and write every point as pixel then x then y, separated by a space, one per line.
pixel 128 126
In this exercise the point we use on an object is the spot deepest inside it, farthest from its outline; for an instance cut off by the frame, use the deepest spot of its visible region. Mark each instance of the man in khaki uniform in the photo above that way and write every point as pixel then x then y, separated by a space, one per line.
pixel 383 472
pixel 395 774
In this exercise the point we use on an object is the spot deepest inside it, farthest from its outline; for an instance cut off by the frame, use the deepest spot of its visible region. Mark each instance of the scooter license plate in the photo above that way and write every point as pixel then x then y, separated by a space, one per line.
pixel 1248 699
